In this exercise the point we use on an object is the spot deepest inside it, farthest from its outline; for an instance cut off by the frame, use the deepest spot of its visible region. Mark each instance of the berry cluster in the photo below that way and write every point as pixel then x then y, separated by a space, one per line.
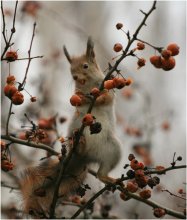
pixel 6 164
pixel 89 120
pixel 138 182
pixel 117 83
pixel 166 60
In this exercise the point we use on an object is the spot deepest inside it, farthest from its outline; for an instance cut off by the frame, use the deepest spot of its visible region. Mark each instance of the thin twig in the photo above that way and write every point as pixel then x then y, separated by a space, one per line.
pixel 21 86
pixel 152 204
pixel 13 30
pixel 29 144
pixel 26 58
pixel 4 25
pixel 8 118
pixel 172 194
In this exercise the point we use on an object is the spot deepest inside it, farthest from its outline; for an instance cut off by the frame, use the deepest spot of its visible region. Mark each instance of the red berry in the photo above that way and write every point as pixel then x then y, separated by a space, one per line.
pixel 45 123
pixel 132 187
pixel 119 83
pixel 134 164
pixel 156 61
pixel 145 194
pixel 33 99
pixel 139 173
pixel 17 98
pixel 129 81
pixel 117 47
pixel 174 48
pixel 166 54
pixel 11 56
pixel 140 46
pixel 88 119
pixel 10 79
pixel 141 62
pixel 95 92
pixel 75 100
pixel 180 191
pixel 10 90
pixel 159 212
pixel 109 84
pixel 168 64
pixel 124 196
pixel 119 26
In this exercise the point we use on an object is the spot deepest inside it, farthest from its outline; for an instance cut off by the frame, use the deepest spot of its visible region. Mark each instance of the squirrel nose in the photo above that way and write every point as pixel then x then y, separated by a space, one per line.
pixel 75 77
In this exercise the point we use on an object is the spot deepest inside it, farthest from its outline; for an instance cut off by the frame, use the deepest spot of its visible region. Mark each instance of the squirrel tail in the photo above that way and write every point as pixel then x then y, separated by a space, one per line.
pixel 37 184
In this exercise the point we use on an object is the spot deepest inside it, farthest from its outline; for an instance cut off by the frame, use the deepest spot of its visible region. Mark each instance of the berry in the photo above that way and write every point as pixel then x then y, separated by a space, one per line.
pixel 75 100
pixel 33 99
pixel 165 125
pixel 130 174
pixel 139 174
pixel 124 196
pixel 134 164
pixel 180 191
pixel 109 84
pixel 140 165
pixel 95 128
pixel 140 46
pixel 174 48
pixel 132 187
pixel 88 120
pixel 159 212
pixel 131 157
pixel 119 26
pixel 17 98
pixel 142 181
pixel 117 47
pixel 10 90
pixel 46 123
pixel 156 179
pixel 6 165
pixel 141 62
pixel 10 79
pixel 168 64
pixel 119 83
pixel 95 92
pixel 145 194
pixel 61 139
pixel 151 183
pixel 156 61
pixel 179 158
pixel 11 56
pixel 166 54
pixel 129 81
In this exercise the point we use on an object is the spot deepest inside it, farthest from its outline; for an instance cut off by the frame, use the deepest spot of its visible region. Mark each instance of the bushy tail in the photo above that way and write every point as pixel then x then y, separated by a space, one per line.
pixel 37 184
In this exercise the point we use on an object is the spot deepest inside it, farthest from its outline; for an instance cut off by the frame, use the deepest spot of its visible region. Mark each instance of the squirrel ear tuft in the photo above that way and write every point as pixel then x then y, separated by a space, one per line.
pixel 90 54
pixel 67 54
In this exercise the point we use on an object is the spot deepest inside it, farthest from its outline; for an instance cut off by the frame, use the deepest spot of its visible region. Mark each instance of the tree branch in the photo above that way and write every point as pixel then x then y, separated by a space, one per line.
pixel 29 144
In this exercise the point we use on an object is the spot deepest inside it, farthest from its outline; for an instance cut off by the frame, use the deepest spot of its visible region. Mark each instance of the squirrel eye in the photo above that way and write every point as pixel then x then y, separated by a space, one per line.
pixel 85 66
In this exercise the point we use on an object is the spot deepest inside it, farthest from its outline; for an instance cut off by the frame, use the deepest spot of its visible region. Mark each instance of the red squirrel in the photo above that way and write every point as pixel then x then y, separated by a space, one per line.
pixel 37 183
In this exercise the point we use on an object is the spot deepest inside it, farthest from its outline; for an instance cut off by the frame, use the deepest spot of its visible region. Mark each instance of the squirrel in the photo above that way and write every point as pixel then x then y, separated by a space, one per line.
pixel 103 148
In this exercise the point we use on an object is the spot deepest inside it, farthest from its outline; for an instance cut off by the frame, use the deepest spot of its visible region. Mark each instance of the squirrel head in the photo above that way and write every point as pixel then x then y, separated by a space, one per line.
pixel 84 69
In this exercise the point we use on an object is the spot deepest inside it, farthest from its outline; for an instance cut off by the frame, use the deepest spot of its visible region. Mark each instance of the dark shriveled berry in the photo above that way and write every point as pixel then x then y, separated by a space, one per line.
pixel 130 174
pixel 95 128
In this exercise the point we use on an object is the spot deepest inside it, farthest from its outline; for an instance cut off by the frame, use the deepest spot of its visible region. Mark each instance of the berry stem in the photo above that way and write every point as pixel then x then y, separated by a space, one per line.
pixel 8 118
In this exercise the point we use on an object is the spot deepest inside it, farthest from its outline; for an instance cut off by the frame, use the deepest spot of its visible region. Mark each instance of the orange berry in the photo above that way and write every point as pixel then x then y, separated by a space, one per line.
pixel 174 48
pixel 141 165
pixel 75 100
pixel 11 56
pixel 156 61
pixel 117 47
pixel 159 212
pixel 165 125
pixel 61 139
pixel 88 119
pixel 10 90
pixel 140 46
pixel 109 84
pixel 33 99
pixel 139 173
pixel 95 92
pixel 10 79
pixel 119 26
pixel 142 181
pixel 134 164
pixel 132 187
pixel 119 83
pixel 166 54
pixel 17 98
pixel 129 81
pixel 22 135
pixel 141 62
pixel 145 194
pixel 168 64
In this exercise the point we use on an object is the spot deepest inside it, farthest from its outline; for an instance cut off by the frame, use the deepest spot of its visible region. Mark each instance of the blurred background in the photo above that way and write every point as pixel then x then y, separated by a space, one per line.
pixel 151 114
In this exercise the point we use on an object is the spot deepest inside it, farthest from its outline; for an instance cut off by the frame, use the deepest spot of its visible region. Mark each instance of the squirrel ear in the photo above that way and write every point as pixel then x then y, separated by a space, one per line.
pixel 67 54
pixel 90 54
